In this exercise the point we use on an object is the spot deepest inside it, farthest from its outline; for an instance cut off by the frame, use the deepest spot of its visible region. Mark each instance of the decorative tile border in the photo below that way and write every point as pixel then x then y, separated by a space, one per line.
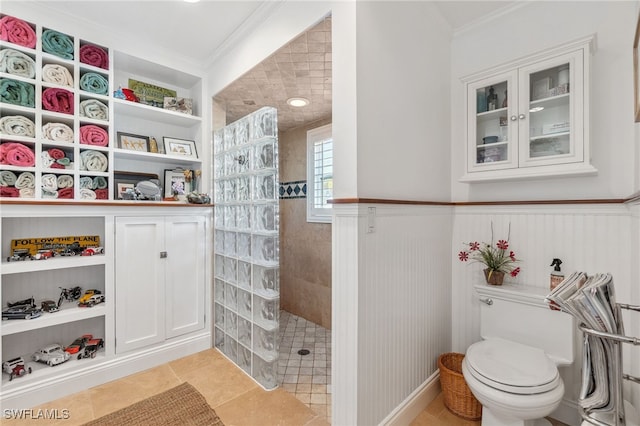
pixel 296 189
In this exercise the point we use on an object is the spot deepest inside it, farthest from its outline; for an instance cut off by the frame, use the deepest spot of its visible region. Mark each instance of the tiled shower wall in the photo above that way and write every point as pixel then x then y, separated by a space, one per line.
pixel 246 244
pixel 305 254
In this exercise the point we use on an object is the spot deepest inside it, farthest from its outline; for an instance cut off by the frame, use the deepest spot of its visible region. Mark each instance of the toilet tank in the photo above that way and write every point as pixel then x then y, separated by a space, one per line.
pixel 520 314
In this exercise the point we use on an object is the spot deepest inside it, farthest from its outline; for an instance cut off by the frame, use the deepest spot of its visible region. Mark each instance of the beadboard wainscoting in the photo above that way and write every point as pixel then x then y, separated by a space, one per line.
pixel 394 260
pixel 587 237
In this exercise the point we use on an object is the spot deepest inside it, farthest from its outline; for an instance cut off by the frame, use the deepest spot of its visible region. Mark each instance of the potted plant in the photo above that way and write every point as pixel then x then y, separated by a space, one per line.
pixel 497 258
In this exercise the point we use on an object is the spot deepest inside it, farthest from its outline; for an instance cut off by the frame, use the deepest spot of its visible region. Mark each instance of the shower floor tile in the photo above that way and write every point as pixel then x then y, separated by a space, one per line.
pixel 307 377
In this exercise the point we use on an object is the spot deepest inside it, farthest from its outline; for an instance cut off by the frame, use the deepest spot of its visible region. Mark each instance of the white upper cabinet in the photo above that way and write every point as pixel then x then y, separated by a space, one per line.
pixel 530 118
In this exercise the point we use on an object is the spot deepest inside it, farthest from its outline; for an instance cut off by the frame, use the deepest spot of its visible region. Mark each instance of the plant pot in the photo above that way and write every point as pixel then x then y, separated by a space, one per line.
pixel 493 277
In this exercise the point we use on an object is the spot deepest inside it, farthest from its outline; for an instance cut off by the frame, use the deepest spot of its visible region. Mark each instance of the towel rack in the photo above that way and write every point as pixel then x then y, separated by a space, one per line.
pixel 619 375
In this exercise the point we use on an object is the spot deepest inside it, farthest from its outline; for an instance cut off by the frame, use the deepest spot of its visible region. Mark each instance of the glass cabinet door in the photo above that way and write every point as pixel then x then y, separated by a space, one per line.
pixel 548 129
pixel 492 135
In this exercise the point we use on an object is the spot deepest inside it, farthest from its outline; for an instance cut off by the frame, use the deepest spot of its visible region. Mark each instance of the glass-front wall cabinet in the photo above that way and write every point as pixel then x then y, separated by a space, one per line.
pixel 529 120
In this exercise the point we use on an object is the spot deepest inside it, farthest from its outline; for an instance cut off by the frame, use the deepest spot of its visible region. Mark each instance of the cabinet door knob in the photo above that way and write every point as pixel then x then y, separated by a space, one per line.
pixel 521 116
pixel 514 117
pixel 163 254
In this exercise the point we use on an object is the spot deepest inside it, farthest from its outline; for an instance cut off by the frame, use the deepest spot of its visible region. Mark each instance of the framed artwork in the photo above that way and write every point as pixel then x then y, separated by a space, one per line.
pixel 133 142
pixel 176 183
pixel 126 180
pixel 179 147
pixel 636 70
pixel 150 94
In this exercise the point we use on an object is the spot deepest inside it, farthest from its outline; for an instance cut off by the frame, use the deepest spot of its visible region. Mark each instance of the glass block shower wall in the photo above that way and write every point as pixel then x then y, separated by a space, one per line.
pixel 246 244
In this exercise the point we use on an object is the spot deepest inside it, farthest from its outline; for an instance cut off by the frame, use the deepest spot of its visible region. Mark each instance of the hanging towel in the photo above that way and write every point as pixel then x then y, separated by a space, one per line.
pixel 94 161
pixel 16 154
pixel 57 100
pixel 17 125
pixel 17 92
pixel 7 178
pixel 94 55
pixel 17 63
pixel 94 83
pixel 57 74
pixel 17 31
pixel 58 132
pixel 92 108
pixel 25 180
pixel 57 44
pixel 93 135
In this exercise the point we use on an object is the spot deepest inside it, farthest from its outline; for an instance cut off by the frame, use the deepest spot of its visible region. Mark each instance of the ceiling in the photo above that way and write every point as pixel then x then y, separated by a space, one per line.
pixel 200 31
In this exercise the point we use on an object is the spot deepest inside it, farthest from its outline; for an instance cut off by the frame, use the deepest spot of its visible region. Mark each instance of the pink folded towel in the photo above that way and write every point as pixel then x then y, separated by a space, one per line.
pixel 94 55
pixel 65 193
pixel 17 31
pixel 102 194
pixel 94 135
pixel 9 191
pixel 17 154
pixel 57 100
pixel 56 153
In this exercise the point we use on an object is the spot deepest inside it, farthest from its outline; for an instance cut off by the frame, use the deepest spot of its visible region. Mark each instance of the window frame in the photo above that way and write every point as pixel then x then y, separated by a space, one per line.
pixel 314 136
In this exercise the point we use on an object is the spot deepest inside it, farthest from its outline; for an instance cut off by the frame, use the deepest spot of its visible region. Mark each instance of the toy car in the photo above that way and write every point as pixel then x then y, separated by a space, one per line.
pixel 49 306
pixel 78 345
pixel 21 312
pixel 88 298
pixel 30 301
pixel 43 254
pixel 90 251
pixel 91 349
pixel 15 368
pixel 51 355
pixel 19 254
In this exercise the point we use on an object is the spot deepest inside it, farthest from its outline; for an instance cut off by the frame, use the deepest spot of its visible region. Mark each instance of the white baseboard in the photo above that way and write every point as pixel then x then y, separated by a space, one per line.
pixel 415 403
pixel 99 371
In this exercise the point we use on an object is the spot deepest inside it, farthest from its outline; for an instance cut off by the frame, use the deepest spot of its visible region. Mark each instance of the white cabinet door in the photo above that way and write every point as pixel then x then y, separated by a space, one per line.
pixel 139 282
pixel 185 274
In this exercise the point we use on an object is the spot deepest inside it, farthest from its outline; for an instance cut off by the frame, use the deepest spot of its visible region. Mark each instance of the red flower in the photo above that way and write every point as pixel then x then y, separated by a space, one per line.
pixel 463 256
pixel 515 272
pixel 512 255
pixel 503 245
pixel 474 246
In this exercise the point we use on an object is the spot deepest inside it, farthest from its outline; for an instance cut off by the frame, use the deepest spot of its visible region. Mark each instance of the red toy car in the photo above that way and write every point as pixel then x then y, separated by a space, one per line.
pixel 90 251
pixel 15 368
pixel 78 345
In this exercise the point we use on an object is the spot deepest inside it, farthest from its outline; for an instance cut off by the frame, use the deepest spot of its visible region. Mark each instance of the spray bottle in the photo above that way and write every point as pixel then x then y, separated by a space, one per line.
pixel 556 278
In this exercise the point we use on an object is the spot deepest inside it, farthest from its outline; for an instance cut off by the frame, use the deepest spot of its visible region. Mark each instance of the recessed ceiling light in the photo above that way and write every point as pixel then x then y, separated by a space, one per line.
pixel 298 102
pixel 536 109
pixel 191 1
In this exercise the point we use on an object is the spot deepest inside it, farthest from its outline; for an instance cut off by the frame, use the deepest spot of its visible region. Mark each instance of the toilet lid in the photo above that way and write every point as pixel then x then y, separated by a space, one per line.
pixel 512 367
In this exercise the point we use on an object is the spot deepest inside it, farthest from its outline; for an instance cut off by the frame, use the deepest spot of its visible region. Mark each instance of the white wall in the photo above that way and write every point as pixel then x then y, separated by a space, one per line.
pixel 535 26
pixel 403 101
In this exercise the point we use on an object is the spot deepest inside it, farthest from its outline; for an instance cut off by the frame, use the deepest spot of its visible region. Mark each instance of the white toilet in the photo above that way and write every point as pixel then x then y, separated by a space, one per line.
pixel 513 370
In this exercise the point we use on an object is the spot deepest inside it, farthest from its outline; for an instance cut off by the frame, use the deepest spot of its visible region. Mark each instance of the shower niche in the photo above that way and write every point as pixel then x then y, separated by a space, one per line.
pixel 246 244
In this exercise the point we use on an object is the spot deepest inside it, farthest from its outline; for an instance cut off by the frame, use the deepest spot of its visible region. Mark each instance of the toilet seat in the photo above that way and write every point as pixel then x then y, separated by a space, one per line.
pixel 512 367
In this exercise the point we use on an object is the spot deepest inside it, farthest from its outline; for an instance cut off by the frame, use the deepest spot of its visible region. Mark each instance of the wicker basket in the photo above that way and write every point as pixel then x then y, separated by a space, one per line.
pixel 457 396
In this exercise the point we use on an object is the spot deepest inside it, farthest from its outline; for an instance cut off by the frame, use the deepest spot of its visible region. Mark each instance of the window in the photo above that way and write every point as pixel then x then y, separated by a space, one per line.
pixel 319 174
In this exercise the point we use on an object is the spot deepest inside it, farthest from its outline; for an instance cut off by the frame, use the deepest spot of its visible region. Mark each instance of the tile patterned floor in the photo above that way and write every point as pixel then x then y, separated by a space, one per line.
pixel 307 377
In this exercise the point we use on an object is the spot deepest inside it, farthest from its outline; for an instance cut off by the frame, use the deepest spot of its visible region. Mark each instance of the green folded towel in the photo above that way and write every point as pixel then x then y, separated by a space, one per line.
pixel 17 92
pixel 57 44
pixel 94 83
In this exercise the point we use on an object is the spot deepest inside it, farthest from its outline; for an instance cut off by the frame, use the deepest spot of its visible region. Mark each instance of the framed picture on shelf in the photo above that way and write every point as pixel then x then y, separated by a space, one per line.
pixel 133 142
pixel 179 147
pixel 128 180
pixel 176 182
